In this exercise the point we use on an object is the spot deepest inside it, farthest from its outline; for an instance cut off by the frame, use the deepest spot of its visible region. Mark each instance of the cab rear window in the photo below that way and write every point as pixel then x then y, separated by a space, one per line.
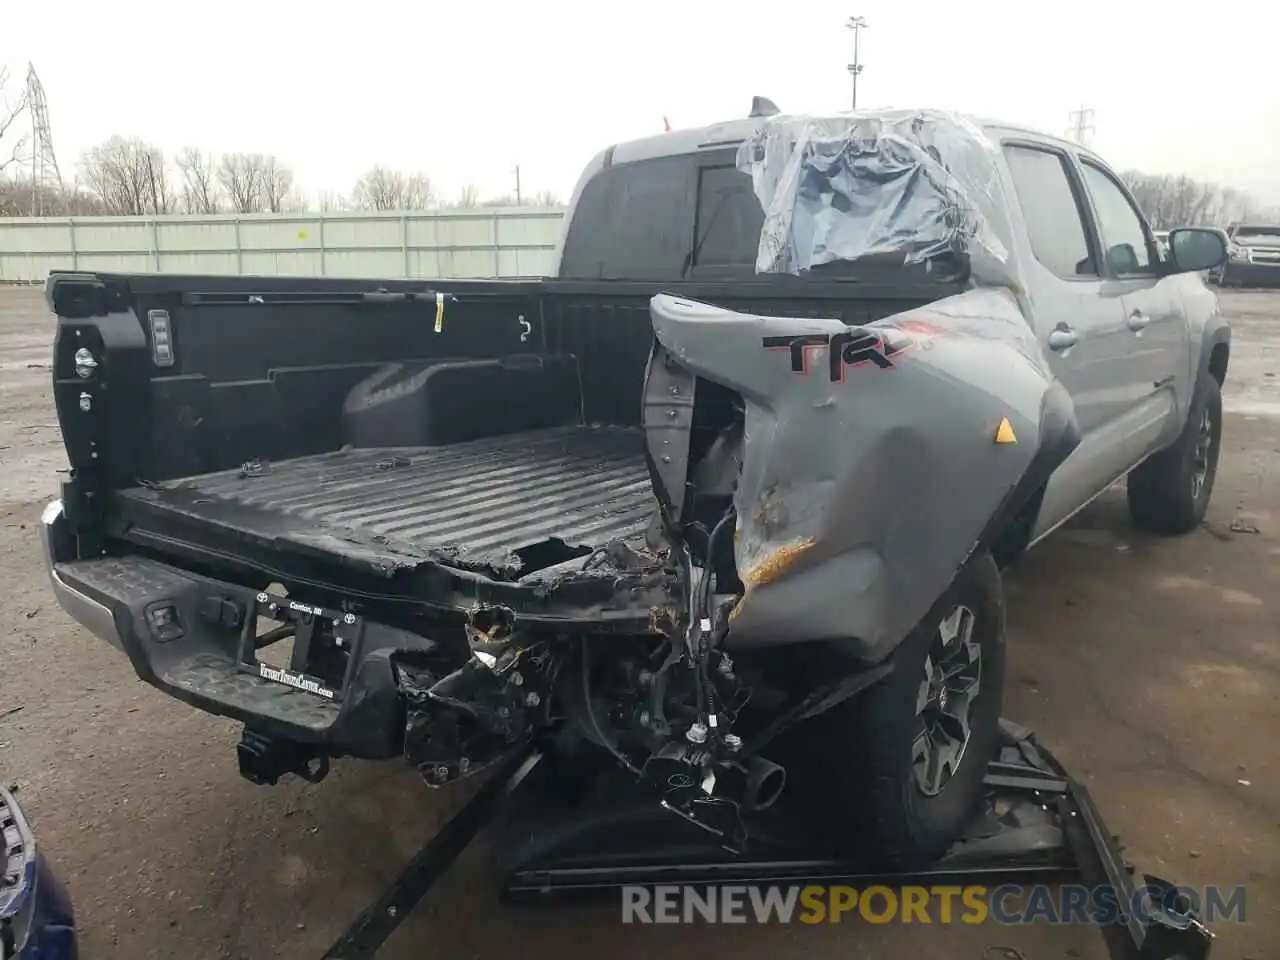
pixel 633 221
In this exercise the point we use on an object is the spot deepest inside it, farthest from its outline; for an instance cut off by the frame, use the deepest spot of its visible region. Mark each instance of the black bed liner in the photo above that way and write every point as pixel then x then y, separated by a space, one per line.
pixel 505 505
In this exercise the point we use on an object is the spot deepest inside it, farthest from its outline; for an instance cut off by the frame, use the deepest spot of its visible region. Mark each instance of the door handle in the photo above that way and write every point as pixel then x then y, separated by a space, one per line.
pixel 1063 338
pixel 1138 321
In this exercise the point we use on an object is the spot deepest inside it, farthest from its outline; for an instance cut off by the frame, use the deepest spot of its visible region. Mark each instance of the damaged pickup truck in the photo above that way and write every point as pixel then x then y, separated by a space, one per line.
pixel 723 502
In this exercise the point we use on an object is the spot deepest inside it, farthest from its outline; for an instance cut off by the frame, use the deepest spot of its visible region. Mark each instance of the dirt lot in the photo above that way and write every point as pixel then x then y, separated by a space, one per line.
pixel 1152 667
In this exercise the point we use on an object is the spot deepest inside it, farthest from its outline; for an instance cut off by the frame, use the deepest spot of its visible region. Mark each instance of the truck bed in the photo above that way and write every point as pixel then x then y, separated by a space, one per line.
pixel 506 506
pixel 208 373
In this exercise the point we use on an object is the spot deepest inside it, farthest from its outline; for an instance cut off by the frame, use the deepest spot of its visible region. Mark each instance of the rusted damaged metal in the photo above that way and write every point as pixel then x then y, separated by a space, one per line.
pixel 777 562
pixel 861 492
pixel 664 620
pixel 490 622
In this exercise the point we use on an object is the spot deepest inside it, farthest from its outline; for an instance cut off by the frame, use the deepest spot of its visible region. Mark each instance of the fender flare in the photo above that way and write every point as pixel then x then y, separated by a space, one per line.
pixel 1059 435
pixel 1215 341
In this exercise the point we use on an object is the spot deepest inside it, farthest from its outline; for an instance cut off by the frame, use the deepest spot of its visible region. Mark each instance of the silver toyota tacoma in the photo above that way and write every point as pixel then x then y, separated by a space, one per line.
pixel 722 504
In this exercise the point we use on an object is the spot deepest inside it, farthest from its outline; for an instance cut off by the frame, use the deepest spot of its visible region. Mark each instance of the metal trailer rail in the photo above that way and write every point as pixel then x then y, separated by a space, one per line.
pixel 1049 827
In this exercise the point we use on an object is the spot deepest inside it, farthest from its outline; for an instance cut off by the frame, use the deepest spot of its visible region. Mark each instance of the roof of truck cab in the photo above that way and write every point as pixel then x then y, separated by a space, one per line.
pixel 733 132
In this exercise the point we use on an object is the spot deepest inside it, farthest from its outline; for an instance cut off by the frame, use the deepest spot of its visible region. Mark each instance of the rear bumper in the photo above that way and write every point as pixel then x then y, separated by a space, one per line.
pixel 111 598
pixel 58 546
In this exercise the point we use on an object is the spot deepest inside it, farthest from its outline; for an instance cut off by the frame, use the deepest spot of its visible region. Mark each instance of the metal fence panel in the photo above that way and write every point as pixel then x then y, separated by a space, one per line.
pixel 490 242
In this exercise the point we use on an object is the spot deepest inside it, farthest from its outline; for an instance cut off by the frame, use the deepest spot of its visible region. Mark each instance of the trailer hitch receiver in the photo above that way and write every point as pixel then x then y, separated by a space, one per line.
pixel 264 760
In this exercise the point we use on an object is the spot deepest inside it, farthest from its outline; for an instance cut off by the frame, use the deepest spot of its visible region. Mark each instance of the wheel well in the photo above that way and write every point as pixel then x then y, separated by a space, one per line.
pixel 1013 540
pixel 1218 362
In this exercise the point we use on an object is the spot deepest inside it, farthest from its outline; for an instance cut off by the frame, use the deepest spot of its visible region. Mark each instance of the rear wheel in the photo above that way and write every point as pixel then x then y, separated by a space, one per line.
pixel 903 762
pixel 1170 491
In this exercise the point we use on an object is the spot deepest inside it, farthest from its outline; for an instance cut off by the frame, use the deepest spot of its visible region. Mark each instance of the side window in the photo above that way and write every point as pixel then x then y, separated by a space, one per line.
pixel 1057 232
pixel 1123 236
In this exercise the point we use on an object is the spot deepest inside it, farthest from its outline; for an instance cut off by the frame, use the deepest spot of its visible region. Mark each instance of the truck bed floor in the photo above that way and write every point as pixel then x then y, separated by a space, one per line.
pixel 507 506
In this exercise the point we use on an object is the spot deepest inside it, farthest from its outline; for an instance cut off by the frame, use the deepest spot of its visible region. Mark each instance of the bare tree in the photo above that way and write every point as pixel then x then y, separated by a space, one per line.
pixel 160 190
pixel 257 183
pixel 1180 201
pixel 277 186
pixel 385 189
pixel 129 177
pixel 241 176
pixel 544 198
pixel 19 199
pixel 16 199
pixel 330 202
pixel 13 139
pixel 1238 206
pixel 200 193
pixel 469 197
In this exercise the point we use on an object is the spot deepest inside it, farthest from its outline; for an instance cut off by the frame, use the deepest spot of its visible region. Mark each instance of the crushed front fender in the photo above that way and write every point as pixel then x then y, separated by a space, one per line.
pixel 876 459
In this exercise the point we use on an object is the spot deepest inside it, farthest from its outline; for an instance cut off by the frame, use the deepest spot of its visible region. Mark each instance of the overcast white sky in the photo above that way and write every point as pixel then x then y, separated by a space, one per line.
pixel 464 91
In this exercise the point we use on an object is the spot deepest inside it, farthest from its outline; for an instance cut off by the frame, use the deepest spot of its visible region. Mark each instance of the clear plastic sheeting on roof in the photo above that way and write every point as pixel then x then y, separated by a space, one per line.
pixel 916 185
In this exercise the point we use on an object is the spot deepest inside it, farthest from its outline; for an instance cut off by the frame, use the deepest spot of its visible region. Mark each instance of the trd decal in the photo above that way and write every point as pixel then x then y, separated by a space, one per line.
pixel 852 348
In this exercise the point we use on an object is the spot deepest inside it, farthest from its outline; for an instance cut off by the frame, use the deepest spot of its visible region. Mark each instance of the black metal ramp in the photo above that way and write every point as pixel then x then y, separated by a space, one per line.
pixel 491 504
pixel 1038 822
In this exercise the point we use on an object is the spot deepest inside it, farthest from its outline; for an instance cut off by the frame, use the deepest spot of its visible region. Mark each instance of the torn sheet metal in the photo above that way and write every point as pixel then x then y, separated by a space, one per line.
pixel 915 185
pixel 869 463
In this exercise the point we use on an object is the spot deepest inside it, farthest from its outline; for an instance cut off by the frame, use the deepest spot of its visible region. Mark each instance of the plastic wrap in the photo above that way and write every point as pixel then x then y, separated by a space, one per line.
pixel 912 184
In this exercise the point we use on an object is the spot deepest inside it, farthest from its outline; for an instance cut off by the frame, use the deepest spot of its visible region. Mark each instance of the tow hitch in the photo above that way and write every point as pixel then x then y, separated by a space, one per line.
pixel 264 760
pixel 1039 823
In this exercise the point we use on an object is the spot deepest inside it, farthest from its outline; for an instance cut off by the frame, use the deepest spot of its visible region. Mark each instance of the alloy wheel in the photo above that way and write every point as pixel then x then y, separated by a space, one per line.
pixel 1201 454
pixel 945 701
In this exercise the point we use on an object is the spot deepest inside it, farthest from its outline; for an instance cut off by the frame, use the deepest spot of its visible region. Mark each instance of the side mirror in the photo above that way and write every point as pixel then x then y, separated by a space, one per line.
pixel 1192 249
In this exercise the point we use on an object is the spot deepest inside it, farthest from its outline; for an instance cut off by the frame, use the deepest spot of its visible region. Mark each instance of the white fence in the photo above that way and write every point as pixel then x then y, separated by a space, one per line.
pixel 494 242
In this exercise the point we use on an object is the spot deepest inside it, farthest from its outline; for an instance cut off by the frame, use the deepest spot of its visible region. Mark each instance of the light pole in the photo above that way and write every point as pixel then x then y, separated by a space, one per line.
pixel 855 24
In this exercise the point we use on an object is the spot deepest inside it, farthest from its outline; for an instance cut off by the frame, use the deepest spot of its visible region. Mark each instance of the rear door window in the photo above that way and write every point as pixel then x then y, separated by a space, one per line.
pixel 1055 226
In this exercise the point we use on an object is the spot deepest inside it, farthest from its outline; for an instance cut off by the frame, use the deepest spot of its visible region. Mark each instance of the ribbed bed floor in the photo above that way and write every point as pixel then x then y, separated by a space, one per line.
pixel 491 503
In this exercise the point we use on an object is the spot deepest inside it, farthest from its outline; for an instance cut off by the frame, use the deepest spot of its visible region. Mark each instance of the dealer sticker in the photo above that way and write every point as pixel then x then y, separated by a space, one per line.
pixel 296 680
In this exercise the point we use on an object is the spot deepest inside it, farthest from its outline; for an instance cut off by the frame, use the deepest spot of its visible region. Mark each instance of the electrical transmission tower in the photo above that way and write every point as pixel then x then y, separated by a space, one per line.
pixel 46 181
pixel 1081 125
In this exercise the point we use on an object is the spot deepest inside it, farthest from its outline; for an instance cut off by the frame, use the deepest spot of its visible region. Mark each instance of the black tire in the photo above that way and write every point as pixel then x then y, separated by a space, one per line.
pixel 880 813
pixel 1170 491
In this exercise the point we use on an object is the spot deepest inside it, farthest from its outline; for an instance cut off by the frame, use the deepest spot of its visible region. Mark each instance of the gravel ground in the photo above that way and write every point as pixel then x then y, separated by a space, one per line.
pixel 1151 667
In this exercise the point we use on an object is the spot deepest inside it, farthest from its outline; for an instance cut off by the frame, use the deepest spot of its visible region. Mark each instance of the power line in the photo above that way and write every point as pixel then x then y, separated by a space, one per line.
pixel 1081 125
pixel 855 24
